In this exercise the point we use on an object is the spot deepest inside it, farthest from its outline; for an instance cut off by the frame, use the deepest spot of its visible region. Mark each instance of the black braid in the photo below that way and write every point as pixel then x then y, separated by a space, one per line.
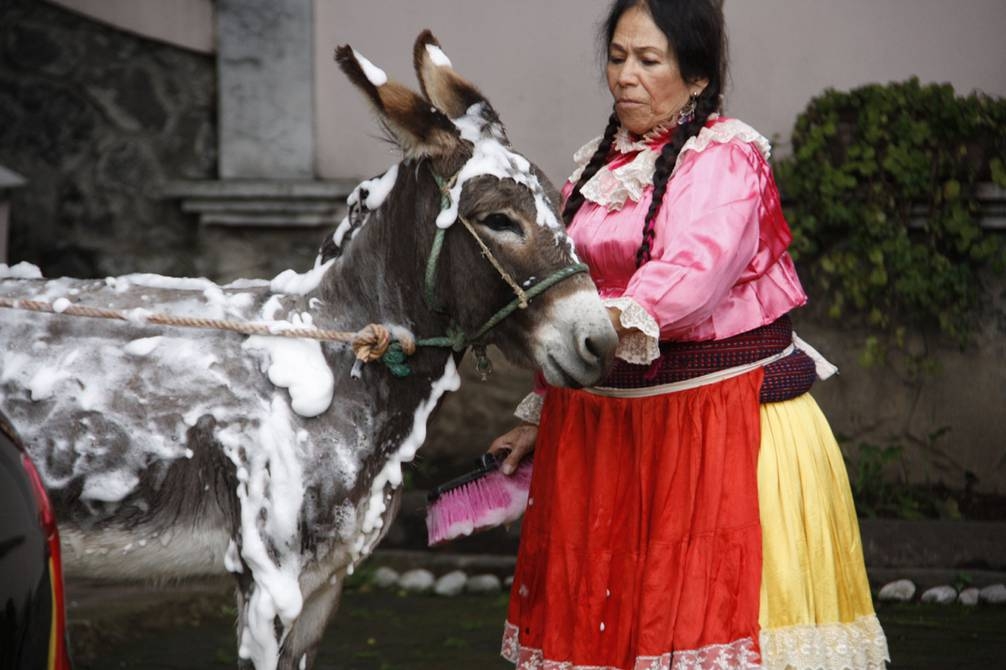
pixel 707 103
pixel 596 162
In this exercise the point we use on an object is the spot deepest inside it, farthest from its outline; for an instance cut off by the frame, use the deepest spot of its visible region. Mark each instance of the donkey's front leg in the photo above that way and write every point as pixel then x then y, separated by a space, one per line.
pixel 245 584
pixel 266 642
pixel 242 592
pixel 301 645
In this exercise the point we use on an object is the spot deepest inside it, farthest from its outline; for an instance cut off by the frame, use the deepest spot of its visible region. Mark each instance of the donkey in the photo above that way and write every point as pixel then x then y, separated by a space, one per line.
pixel 171 453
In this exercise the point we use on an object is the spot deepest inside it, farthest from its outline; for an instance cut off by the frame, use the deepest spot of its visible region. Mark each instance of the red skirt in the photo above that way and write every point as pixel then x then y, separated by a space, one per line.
pixel 641 545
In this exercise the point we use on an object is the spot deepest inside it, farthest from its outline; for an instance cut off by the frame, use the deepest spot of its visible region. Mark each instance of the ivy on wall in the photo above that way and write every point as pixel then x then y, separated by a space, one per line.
pixel 885 216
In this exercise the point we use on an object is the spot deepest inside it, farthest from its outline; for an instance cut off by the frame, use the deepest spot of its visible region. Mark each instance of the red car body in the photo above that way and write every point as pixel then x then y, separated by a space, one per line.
pixel 32 614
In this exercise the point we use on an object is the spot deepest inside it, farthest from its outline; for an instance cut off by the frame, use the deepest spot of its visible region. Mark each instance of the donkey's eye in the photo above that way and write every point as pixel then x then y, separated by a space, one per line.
pixel 501 223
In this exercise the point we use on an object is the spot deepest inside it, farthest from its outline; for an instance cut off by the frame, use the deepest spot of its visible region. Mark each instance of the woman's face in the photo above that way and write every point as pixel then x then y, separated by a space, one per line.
pixel 643 75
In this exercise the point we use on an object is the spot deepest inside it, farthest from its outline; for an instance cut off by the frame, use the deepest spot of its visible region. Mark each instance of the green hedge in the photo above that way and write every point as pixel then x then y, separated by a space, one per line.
pixel 862 162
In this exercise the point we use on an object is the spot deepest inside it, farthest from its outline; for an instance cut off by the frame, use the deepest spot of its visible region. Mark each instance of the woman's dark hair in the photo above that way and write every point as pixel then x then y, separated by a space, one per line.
pixel 696 34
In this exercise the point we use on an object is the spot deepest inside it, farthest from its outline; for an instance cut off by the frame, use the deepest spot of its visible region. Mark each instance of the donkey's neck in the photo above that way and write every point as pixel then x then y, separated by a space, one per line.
pixel 379 275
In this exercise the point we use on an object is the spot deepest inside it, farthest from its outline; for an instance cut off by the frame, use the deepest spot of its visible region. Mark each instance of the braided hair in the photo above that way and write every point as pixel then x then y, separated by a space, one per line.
pixel 596 162
pixel 696 34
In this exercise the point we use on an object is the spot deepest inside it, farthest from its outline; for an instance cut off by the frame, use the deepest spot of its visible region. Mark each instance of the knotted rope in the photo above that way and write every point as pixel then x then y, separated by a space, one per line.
pixel 371 343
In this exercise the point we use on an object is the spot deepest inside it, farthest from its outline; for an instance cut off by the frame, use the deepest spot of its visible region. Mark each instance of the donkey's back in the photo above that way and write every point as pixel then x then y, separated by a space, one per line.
pixel 140 432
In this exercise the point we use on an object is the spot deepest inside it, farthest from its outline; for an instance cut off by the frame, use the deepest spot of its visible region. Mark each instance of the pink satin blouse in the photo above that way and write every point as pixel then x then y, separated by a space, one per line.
pixel 719 263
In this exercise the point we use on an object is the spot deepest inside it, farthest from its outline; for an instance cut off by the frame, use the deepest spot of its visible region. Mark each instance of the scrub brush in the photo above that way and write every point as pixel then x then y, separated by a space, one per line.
pixel 481 499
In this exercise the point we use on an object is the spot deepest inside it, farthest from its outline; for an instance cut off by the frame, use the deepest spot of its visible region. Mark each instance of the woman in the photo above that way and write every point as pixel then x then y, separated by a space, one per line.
pixel 693 511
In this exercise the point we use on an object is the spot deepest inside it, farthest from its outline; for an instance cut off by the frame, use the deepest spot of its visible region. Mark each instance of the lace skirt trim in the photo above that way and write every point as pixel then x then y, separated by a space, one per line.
pixel 857 645
pixel 739 655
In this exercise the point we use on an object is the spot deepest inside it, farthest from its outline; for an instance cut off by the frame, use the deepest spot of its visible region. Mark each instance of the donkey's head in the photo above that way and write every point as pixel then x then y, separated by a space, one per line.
pixel 508 275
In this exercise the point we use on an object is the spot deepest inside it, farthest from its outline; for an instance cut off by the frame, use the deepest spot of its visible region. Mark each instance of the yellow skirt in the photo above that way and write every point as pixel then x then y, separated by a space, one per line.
pixel 816 608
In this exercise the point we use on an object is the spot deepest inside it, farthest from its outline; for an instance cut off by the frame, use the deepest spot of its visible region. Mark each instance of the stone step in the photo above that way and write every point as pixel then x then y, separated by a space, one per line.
pixel 256 203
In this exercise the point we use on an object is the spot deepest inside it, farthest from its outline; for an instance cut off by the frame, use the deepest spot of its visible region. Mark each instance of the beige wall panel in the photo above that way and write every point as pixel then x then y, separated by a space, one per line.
pixel 786 51
pixel 536 61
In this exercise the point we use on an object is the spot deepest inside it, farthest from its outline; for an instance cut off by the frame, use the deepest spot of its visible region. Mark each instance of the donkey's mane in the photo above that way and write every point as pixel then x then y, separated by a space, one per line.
pixel 361 203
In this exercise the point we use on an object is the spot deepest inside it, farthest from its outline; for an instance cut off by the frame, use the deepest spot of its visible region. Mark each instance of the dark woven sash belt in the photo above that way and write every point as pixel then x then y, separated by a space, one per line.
pixel 786 378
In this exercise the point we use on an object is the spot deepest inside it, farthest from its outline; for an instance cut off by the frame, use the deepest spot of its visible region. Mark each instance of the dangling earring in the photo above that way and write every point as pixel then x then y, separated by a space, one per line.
pixel 687 113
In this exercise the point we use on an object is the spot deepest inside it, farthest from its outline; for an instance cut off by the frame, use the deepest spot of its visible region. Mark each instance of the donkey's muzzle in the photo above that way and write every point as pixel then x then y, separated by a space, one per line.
pixel 575 344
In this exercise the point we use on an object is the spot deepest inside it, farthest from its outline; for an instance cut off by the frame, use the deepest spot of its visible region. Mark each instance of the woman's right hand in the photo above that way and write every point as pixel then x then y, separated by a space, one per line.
pixel 519 441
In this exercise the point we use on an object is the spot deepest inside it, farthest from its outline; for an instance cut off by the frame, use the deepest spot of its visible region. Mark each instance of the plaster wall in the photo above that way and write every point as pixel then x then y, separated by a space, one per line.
pixel 539 64
pixel 783 52
pixel 535 61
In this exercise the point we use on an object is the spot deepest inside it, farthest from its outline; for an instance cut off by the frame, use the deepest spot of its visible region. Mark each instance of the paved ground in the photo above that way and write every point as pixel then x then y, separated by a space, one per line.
pixel 191 628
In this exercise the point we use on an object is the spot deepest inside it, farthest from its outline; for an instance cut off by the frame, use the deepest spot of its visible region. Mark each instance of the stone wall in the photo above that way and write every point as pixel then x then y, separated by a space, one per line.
pixel 97 120
pixel 949 421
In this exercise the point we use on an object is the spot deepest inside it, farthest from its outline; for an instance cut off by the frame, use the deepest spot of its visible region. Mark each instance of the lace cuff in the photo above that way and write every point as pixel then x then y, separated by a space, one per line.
pixel 640 344
pixel 529 408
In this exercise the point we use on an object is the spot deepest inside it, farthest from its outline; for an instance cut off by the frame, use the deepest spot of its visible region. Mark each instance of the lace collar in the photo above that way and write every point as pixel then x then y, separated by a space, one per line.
pixel 626 143
pixel 611 187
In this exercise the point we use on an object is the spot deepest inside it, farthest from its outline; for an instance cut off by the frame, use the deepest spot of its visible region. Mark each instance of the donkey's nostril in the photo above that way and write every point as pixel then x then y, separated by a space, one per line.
pixel 592 350
pixel 596 347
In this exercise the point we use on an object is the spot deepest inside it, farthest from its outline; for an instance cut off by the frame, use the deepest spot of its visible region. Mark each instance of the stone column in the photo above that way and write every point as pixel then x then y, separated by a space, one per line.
pixel 266 210
pixel 9 180
pixel 265 66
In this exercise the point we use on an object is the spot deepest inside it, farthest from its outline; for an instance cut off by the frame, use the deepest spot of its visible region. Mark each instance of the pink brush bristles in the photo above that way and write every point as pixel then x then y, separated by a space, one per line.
pixel 488 501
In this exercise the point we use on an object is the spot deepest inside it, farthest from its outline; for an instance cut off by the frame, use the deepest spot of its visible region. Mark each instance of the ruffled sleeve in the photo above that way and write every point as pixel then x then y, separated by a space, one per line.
pixel 529 409
pixel 707 233
pixel 640 343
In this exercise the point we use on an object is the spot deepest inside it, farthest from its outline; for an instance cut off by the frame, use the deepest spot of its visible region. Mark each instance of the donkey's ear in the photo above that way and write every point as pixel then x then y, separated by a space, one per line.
pixel 420 129
pixel 440 83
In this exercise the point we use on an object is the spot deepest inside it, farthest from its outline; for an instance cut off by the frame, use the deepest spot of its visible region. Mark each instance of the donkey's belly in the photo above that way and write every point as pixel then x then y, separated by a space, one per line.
pixel 183 551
